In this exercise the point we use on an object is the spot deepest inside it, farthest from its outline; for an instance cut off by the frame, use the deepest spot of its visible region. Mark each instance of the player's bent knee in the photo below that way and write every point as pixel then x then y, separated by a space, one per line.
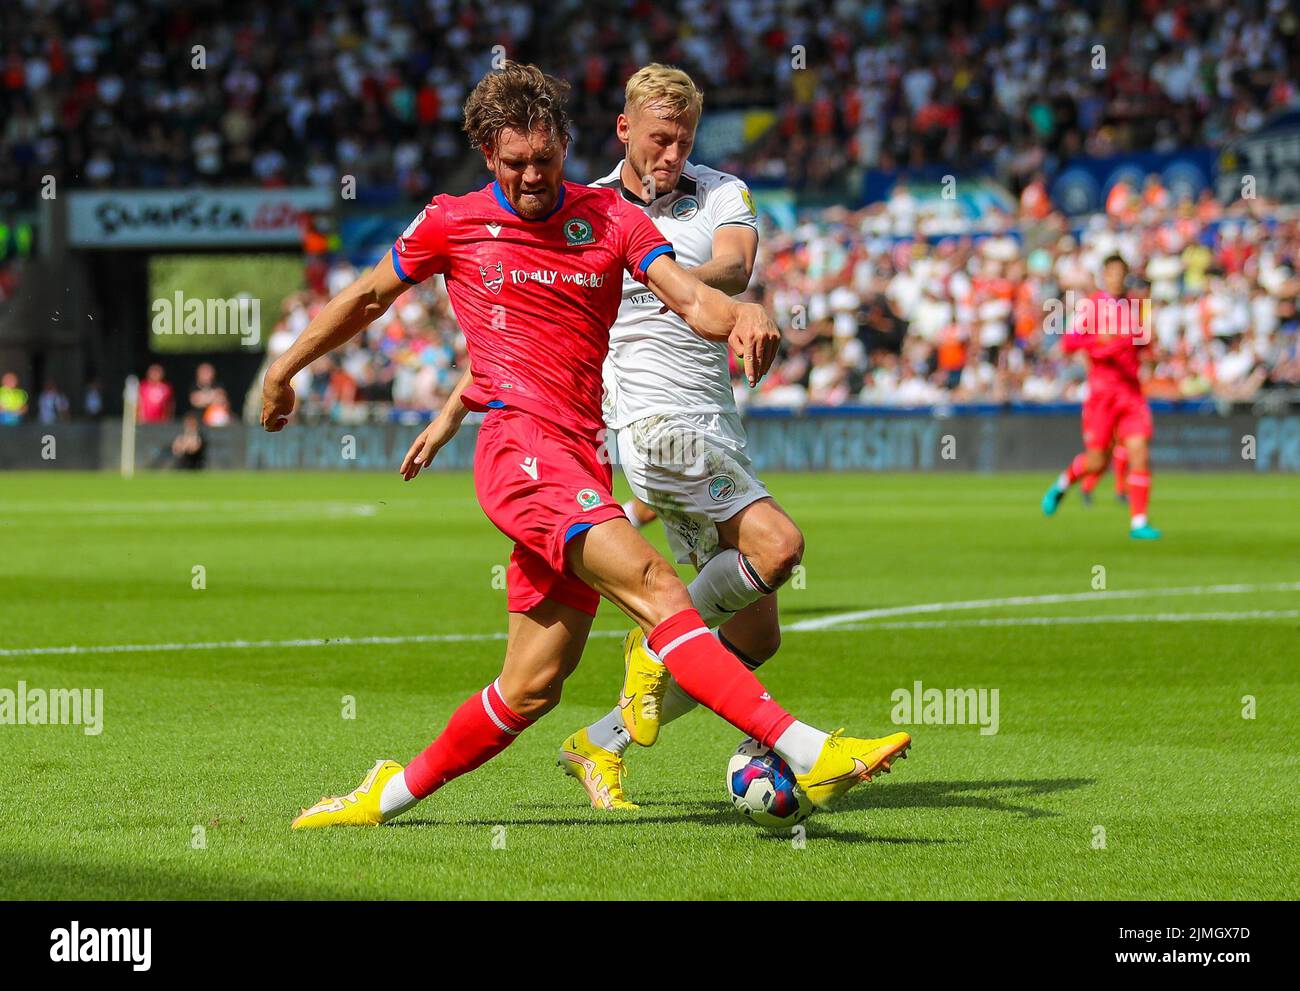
pixel 533 697
pixel 663 589
pixel 789 555
pixel 1137 456
pixel 781 555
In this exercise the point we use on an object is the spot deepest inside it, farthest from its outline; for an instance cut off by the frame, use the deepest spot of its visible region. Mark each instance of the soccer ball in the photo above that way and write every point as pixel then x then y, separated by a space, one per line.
pixel 762 787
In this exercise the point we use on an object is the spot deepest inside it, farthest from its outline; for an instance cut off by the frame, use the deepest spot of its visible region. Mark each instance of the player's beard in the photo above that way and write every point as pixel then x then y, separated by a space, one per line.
pixel 536 203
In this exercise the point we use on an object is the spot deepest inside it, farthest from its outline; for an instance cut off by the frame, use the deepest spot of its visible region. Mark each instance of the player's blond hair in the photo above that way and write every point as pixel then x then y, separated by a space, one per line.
pixel 663 86
pixel 519 98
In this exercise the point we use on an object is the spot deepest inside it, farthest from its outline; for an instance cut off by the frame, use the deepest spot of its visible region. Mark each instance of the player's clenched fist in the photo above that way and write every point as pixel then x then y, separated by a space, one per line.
pixel 278 401
pixel 755 338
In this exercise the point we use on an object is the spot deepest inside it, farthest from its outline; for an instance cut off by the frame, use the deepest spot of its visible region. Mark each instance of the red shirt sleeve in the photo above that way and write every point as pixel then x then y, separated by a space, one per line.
pixel 422 249
pixel 642 242
pixel 1113 345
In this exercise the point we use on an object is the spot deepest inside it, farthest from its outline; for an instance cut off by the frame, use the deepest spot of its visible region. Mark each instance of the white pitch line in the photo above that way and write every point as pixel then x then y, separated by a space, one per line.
pixel 173 506
pixel 1165 617
pixel 127 511
pixel 147 648
pixel 821 623
pixel 838 619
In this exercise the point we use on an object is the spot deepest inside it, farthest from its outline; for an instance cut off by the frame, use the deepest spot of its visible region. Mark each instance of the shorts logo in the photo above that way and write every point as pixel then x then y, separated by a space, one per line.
pixel 577 231
pixel 686 208
pixel 493 277
pixel 721 487
pixel 588 498
pixel 686 528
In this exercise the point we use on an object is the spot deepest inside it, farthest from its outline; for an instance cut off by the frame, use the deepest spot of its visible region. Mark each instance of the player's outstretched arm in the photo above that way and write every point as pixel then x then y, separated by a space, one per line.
pixel 434 437
pixel 343 317
pixel 715 316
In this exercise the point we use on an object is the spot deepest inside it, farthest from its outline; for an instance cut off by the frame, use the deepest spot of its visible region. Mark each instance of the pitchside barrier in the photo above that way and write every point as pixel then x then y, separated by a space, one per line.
pixel 823 440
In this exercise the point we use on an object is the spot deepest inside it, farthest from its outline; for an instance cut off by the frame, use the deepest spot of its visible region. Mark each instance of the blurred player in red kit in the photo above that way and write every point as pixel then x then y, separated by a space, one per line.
pixel 1119 465
pixel 534 270
pixel 1112 330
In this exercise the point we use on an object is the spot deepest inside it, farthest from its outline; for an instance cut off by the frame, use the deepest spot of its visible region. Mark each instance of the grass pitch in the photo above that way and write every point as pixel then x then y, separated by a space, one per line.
pixel 1122 767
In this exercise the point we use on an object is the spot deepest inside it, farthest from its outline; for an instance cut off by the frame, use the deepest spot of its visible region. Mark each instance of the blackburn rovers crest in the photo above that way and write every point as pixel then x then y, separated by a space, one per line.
pixel 577 231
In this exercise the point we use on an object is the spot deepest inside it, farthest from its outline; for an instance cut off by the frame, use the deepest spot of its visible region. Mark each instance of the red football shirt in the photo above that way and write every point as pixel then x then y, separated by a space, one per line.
pixel 154 405
pixel 1109 332
pixel 534 298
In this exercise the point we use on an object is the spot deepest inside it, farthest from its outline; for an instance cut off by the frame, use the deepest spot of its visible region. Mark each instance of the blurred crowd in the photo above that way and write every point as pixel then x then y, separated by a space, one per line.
pixel 893 304
pixel 117 93
pixel 875 315
pixel 409 359
pixel 874 311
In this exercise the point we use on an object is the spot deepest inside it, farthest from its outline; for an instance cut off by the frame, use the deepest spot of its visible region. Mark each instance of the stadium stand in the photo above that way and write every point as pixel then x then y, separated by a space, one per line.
pixel 881 306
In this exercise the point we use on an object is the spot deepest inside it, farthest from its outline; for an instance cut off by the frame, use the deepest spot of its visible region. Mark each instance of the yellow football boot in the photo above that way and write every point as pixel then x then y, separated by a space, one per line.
pixel 599 771
pixel 846 760
pixel 359 808
pixel 644 683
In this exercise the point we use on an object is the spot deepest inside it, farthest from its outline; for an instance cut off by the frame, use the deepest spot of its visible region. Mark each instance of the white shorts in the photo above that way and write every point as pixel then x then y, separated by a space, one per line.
pixel 691 468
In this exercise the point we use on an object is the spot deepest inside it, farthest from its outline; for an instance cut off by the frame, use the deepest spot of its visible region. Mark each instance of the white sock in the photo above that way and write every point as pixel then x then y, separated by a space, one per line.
pixel 726 584
pixel 800 746
pixel 629 510
pixel 609 732
pixel 396 798
pixel 676 703
pixel 1062 482
pixel 1139 519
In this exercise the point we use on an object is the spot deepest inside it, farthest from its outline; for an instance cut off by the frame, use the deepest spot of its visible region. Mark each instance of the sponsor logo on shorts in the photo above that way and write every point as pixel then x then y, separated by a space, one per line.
pixel 577 231
pixel 588 498
pixel 686 208
pixel 721 487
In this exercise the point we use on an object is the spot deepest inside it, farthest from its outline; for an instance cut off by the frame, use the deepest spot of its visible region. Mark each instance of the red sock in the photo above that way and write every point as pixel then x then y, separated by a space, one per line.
pixel 710 674
pixel 1139 492
pixel 1089 482
pixel 1077 469
pixel 480 729
pixel 1121 469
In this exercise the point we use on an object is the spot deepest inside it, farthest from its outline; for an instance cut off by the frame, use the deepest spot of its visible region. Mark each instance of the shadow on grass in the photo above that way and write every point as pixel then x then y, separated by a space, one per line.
pixel 963 795
pixel 709 816
pixel 818 831
pixel 991 796
pixel 721 816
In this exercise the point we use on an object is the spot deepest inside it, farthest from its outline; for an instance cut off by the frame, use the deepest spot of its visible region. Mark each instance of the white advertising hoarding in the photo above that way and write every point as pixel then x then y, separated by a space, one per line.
pixel 190 218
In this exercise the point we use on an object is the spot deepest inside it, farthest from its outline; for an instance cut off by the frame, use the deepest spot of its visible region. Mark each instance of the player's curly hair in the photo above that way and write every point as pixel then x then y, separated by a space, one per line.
pixel 518 97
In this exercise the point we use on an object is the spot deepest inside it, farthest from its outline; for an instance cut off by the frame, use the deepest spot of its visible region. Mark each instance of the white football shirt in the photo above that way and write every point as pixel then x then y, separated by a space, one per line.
pixel 656 363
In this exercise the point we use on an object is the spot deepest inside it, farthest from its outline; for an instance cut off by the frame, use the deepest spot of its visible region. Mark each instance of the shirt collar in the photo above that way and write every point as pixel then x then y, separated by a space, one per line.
pixel 615 181
pixel 504 203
